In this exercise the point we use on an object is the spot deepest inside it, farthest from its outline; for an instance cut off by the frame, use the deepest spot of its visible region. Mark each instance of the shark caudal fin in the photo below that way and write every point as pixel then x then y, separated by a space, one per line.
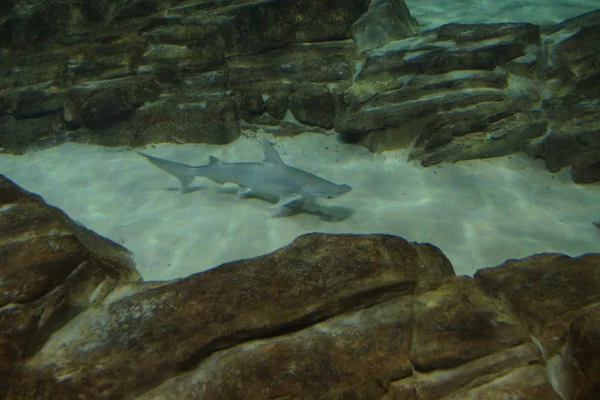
pixel 183 172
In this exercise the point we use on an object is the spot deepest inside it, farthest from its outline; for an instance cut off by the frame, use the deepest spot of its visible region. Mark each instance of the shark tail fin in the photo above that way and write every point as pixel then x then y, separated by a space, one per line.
pixel 183 172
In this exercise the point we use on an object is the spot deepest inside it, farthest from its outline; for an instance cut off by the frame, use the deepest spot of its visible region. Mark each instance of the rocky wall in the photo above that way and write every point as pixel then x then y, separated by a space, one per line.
pixel 128 73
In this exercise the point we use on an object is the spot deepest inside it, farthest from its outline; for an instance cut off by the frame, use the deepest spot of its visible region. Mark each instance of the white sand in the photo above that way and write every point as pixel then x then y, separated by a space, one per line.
pixel 479 213
pixel 431 14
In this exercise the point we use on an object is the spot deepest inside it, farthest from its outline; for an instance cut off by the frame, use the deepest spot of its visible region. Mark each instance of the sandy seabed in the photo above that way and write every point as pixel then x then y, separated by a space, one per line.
pixel 479 213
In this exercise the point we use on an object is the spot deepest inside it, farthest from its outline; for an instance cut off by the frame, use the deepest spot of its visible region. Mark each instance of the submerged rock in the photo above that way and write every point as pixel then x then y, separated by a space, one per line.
pixel 329 316
pixel 51 270
pixel 572 101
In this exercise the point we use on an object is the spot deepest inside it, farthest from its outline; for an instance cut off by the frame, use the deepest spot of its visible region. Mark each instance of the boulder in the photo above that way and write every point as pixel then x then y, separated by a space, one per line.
pixel 383 22
pixel 313 105
pixel 573 78
pixel 51 270
pixel 449 91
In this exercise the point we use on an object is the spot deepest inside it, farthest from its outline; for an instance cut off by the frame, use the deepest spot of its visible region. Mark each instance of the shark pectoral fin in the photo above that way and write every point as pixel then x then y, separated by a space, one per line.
pixel 286 200
pixel 244 192
pixel 184 182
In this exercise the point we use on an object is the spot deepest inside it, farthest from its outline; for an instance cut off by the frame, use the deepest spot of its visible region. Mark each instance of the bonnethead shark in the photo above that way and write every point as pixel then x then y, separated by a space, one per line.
pixel 270 179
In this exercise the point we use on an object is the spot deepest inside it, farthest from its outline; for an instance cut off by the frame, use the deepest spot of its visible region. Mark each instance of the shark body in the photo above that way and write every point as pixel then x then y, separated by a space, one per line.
pixel 270 179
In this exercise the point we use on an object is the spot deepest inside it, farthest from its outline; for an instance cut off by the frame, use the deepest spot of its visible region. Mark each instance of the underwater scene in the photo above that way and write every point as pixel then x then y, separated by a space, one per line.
pixel 311 199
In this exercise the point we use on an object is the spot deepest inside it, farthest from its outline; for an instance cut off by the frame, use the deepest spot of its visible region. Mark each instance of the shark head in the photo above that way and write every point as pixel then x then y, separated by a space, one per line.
pixel 339 190
pixel 326 189
pixel 301 182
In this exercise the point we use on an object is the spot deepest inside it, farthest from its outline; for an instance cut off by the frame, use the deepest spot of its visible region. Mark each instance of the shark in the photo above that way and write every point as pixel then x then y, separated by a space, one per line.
pixel 269 179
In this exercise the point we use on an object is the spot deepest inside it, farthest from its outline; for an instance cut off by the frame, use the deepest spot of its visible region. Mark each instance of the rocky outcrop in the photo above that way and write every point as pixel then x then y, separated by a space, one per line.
pixel 573 97
pixel 329 316
pixel 131 73
pixel 450 91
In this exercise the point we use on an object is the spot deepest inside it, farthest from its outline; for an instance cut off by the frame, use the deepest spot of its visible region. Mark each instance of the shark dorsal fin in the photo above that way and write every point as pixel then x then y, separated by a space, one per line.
pixel 271 156
pixel 214 160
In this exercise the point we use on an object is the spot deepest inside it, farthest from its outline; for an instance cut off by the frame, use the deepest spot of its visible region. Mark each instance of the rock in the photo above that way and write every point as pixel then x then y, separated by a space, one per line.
pixel 221 309
pixel 25 24
pixel 448 91
pixel 549 294
pixel 38 103
pixel 251 104
pixel 586 167
pixel 585 345
pixel 356 354
pixel 573 79
pixel 3 105
pixel 384 21
pixel 569 142
pixel 277 105
pixel 19 135
pixel 51 269
pixel 313 105
pixel 320 63
pixel 110 55
pixel 329 316
pixel 180 119
pixel 104 103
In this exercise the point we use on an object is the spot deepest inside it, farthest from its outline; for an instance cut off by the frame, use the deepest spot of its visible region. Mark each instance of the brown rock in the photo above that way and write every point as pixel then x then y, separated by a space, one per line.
pixel 109 101
pixel 251 104
pixel 586 346
pixel 180 119
pixel 569 142
pixel 547 292
pixel 384 21
pixel 27 26
pixel 586 167
pixel 111 54
pixel 277 105
pixel 431 53
pixel 38 103
pixel 458 323
pixel 320 62
pixel 176 326
pixel 19 135
pixel 351 355
pixel 422 88
pixel 50 270
pixel 572 105
pixel 313 105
